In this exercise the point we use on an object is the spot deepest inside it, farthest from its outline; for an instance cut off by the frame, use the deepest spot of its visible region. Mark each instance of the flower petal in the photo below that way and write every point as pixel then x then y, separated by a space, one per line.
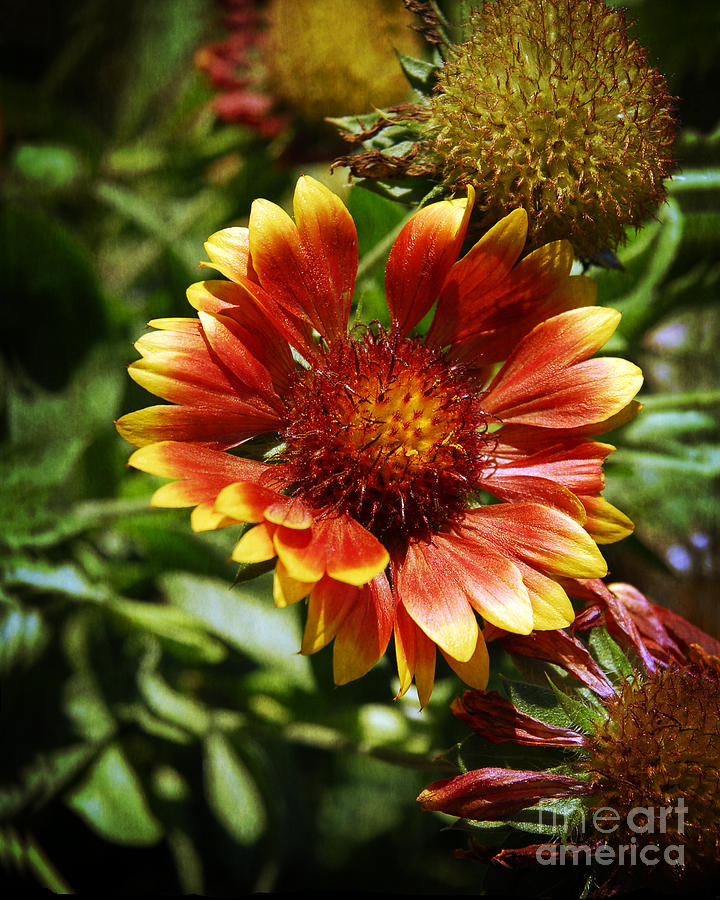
pixel 364 634
pixel 435 601
pixel 256 545
pixel 247 501
pixel 329 604
pixel 286 589
pixel 309 269
pixel 471 280
pixel 476 671
pixel 421 258
pixel 415 654
pixel 229 252
pixel 549 381
pixel 496 719
pixel 538 535
pixel 202 473
pixel 329 241
pixel 490 794
pixel 336 545
pixel 564 650
pixel 605 523
pixel 225 298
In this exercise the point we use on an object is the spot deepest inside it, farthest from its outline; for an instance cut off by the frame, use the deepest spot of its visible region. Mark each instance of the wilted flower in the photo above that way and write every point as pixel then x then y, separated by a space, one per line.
pixel 363 457
pixel 549 105
pixel 635 790
pixel 294 62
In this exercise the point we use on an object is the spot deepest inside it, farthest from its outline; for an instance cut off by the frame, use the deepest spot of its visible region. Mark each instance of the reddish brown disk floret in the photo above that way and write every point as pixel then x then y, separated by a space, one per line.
pixel 389 432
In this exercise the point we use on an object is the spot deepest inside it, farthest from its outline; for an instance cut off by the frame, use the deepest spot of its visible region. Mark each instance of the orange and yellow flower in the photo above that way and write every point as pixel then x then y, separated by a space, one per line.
pixel 366 459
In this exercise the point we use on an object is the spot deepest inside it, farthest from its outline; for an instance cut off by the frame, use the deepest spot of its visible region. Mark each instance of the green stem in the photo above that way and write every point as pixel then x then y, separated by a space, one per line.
pixel 673 401
pixel 382 248
pixel 693 181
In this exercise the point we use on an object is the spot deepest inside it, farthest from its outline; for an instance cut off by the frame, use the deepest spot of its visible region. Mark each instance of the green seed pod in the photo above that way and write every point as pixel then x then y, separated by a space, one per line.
pixel 551 106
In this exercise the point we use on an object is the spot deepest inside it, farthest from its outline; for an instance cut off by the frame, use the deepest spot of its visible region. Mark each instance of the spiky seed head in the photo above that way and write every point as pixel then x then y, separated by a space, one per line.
pixel 550 105
pixel 659 749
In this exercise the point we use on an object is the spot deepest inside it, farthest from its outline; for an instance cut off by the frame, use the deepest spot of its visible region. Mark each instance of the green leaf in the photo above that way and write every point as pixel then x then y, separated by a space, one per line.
pixel 583 715
pixel 45 267
pixel 112 802
pixel 538 702
pixel 355 124
pixel 246 619
pixel 43 777
pixel 65 579
pixel 25 855
pixel 655 428
pixel 178 631
pixel 476 752
pixel 689 180
pixel 555 817
pixel 232 792
pixel 51 166
pixel 23 636
pixel 171 705
pixel 421 74
pixel 608 653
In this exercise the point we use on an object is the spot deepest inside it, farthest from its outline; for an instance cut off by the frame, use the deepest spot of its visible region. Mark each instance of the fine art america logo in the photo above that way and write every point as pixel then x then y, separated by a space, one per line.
pixel 640 820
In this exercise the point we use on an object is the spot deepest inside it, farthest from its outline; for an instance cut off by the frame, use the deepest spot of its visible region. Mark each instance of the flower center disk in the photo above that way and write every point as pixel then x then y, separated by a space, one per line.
pixel 386 431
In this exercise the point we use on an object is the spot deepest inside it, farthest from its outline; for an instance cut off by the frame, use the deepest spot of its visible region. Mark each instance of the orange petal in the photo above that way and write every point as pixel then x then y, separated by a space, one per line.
pixel 229 252
pixel 240 354
pixel 605 523
pixel 549 381
pixel 539 535
pixel 476 671
pixel 204 517
pixel 365 633
pixel 203 472
pixel 286 589
pixel 551 607
pixel 256 545
pixel 421 258
pixel 336 545
pixel 287 262
pixel 245 501
pixel 329 604
pixel 329 242
pixel 434 600
pixel 220 430
pixel 502 312
pixel 471 280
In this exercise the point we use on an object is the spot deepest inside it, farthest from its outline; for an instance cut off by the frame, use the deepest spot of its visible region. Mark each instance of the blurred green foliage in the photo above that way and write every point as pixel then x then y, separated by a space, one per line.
pixel 161 733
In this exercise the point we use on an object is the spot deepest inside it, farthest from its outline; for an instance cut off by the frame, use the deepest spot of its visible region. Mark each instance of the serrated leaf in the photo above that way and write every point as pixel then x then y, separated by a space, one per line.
pixel 421 74
pixel 476 752
pixel 583 715
pixel 112 802
pixel 355 124
pixel 608 653
pixel 232 792
pixel 538 702
pixel 554 817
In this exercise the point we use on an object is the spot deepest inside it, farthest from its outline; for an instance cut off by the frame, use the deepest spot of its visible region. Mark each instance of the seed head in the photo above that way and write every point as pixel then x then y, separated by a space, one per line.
pixel 661 744
pixel 550 105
